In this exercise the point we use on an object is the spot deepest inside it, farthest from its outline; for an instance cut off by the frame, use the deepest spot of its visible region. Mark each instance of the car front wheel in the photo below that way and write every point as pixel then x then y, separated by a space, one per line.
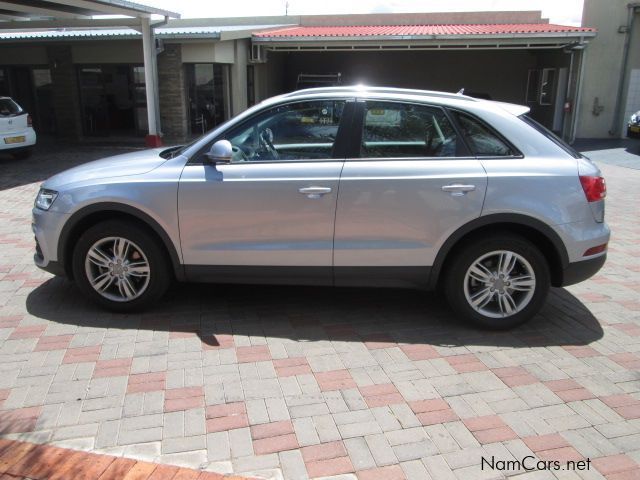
pixel 120 266
pixel 498 282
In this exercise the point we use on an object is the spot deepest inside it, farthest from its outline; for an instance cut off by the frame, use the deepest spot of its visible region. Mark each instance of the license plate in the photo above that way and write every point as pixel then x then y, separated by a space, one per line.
pixel 9 140
pixel 635 129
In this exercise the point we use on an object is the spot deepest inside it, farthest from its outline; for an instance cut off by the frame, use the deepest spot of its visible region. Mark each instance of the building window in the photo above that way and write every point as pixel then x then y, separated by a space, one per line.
pixel 533 81
pixel 206 87
pixel 547 86
pixel 44 120
pixel 251 86
pixel 113 99
pixel 4 83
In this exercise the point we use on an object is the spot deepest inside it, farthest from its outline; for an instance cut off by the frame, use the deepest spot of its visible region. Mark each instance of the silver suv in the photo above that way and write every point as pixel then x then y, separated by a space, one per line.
pixel 341 186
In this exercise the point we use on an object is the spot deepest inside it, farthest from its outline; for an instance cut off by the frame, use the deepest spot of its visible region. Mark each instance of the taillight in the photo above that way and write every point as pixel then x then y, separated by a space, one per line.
pixel 29 121
pixel 594 188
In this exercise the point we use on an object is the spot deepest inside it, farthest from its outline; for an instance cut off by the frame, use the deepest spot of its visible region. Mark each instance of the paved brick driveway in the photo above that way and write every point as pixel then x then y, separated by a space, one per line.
pixel 299 382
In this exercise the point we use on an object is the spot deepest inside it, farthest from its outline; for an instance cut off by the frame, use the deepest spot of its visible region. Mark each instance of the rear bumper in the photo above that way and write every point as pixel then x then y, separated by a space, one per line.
pixel 577 272
pixel 29 140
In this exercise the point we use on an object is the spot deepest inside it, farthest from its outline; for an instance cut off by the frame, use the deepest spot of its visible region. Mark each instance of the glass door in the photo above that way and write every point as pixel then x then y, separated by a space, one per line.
pixel 206 96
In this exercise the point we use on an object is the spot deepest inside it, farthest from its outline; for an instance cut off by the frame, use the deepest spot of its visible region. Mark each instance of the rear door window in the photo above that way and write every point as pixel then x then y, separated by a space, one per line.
pixel 482 141
pixel 402 130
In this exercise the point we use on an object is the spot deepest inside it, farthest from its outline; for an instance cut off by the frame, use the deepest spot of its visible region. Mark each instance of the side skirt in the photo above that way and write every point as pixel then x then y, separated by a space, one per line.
pixel 393 277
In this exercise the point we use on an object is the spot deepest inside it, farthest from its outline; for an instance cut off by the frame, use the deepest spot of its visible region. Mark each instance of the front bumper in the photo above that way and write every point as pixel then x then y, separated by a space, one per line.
pixel 577 272
pixel 46 227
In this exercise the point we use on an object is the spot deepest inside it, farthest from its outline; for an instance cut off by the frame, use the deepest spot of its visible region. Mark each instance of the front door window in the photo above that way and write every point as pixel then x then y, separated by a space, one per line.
pixel 297 131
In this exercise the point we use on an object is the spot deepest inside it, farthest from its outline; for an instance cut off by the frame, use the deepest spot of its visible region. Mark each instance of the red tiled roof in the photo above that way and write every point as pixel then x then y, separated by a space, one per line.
pixel 423 30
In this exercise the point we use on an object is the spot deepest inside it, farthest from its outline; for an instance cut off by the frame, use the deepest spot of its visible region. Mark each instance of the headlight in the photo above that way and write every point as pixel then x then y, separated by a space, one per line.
pixel 45 198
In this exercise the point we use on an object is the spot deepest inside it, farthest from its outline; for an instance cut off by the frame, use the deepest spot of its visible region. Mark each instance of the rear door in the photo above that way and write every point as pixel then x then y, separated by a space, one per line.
pixel 409 183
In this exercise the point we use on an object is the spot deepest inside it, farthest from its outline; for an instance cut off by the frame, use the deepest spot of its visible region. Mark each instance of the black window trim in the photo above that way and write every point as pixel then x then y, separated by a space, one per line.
pixel 358 125
pixel 517 155
pixel 339 146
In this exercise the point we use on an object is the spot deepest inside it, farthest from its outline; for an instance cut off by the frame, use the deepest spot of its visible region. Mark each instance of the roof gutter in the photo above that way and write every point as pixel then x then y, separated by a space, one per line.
pixel 616 125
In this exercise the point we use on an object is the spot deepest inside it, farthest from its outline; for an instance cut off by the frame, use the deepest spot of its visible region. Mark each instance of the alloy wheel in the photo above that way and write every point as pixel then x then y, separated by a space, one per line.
pixel 499 284
pixel 117 269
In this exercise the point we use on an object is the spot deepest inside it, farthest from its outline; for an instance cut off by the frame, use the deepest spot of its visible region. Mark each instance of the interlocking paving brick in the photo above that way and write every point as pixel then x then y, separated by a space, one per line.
pixel 226 417
pixel 146 382
pixel 489 429
pixel 430 412
pixel 334 380
pixel 183 399
pixel 82 354
pixel 379 395
pixel 391 472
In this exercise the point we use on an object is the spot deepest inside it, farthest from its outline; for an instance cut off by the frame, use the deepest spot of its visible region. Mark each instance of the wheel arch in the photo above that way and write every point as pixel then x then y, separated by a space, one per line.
pixel 90 215
pixel 545 238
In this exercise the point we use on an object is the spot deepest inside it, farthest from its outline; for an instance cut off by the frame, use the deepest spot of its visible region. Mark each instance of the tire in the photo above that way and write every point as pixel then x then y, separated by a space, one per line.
pixel 144 265
pixel 463 285
pixel 22 154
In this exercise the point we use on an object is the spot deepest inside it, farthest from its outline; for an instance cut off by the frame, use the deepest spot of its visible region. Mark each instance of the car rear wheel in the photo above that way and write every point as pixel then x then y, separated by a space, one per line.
pixel 498 282
pixel 120 266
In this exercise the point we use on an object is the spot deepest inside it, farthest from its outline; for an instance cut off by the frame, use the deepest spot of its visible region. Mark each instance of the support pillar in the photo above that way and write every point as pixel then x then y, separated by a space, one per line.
pixel 154 138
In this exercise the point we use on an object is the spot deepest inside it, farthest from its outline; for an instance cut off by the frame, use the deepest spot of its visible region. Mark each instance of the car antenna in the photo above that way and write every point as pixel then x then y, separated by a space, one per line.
pixel 461 91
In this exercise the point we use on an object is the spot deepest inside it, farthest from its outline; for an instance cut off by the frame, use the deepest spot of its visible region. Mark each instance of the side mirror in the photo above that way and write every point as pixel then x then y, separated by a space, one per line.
pixel 221 152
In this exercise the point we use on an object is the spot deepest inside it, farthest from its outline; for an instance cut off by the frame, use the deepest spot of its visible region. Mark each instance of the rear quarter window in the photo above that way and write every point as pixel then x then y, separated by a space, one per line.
pixel 551 136
pixel 8 107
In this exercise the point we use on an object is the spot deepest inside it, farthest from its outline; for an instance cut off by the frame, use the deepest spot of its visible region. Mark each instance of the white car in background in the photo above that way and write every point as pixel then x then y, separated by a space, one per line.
pixel 16 133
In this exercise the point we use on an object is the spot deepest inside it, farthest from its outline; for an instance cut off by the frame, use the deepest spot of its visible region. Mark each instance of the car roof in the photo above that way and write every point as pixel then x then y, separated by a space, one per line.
pixel 363 89
pixel 399 94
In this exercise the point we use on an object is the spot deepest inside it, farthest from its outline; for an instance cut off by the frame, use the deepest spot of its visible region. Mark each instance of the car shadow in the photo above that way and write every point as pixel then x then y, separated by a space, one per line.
pixel 214 312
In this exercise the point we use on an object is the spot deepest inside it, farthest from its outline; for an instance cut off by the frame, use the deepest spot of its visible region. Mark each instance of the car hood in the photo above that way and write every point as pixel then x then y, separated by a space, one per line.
pixel 134 163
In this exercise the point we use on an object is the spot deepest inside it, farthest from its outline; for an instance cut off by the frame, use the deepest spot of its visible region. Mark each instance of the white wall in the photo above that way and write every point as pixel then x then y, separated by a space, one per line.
pixel 208 52
pixel 603 63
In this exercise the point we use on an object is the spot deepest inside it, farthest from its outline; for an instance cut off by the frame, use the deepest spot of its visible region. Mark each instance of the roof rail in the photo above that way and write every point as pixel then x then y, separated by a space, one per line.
pixel 365 89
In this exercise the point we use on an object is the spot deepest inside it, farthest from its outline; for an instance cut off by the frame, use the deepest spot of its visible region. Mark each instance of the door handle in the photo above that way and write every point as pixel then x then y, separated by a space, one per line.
pixel 458 189
pixel 314 192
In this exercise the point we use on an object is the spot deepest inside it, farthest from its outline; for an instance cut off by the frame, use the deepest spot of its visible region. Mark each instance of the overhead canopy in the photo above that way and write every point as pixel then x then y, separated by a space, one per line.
pixel 60 14
pixel 543 35
pixel 21 13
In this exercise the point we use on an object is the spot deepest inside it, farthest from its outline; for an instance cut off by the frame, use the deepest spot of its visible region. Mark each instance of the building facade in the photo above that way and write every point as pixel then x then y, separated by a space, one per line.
pixel 90 82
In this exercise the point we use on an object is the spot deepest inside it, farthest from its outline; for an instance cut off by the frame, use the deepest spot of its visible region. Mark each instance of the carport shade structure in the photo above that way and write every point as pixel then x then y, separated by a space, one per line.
pixel 25 15
pixel 539 36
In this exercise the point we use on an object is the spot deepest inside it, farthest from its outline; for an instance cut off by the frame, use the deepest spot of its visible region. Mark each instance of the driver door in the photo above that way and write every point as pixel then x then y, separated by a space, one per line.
pixel 271 211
